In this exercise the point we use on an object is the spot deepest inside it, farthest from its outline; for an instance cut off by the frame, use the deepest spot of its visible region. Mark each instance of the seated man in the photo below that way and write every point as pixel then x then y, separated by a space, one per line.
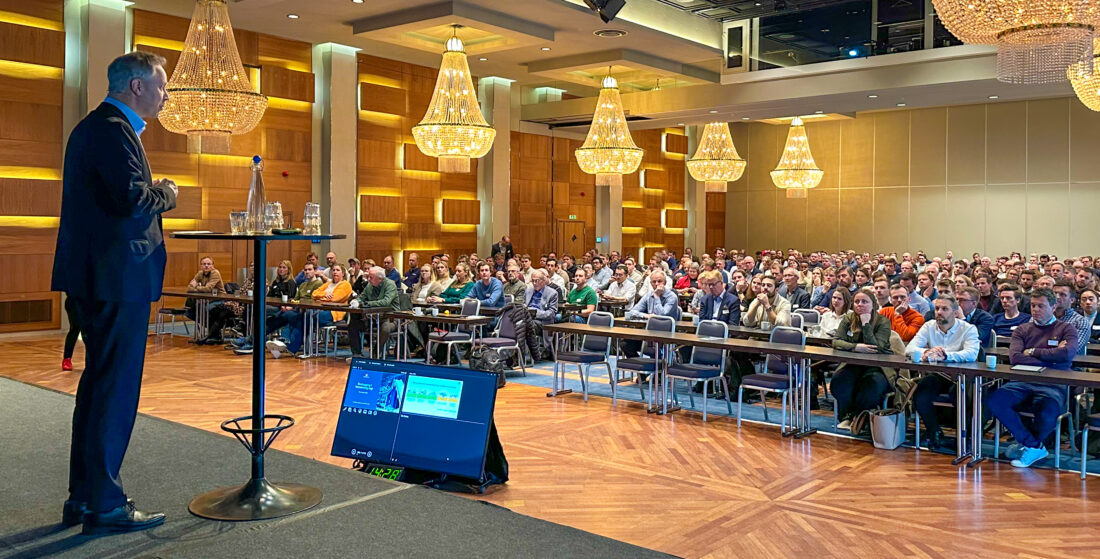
pixel 487 289
pixel 620 288
pixel 660 301
pixel 515 286
pixel 1088 302
pixel 768 306
pixel 208 280
pixel 582 294
pixel 392 273
pixel 917 302
pixel 311 258
pixel 792 291
pixel 1045 342
pixel 946 339
pixel 1063 310
pixel 718 304
pixel 558 276
pixel 903 320
pixel 287 314
pixel 378 293
pixel 412 276
pixel 542 301
pixel 1008 319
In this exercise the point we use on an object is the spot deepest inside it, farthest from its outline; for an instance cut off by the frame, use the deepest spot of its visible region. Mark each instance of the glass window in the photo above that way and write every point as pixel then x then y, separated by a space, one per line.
pixel 816 35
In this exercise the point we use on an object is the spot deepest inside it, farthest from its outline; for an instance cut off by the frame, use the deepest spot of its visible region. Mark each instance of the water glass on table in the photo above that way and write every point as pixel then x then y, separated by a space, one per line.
pixel 238 222
pixel 766 326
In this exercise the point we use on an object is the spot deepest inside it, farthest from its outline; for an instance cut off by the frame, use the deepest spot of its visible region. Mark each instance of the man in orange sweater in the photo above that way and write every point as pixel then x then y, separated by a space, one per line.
pixel 903 320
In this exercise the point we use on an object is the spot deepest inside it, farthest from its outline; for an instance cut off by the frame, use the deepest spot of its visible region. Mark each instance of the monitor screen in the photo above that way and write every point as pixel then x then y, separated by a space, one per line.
pixel 417 416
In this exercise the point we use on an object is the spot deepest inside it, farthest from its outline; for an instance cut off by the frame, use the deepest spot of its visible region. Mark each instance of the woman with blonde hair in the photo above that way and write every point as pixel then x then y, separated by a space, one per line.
pixel 425 285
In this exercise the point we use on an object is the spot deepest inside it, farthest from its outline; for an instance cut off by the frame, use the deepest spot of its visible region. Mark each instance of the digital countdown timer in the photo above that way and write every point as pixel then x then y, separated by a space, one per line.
pixel 396 473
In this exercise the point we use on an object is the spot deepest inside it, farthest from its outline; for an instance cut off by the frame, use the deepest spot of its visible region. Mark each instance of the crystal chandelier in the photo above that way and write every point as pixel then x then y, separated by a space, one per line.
pixel 454 129
pixel 716 161
pixel 209 95
pixel 1036 39
pixel 797 171
pixel 609 152
pixel 1085 78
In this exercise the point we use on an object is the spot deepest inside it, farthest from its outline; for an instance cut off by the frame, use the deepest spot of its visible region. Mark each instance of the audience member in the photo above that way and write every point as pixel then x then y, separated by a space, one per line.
pixel 792 291
pixel 917 302
pixel 515 286
pixel 1087 303
pixel 988 300
pixel 504 248
pixel 969 311
pixel 541 300
pixel 1010 317
pixel 859 387
pixel 378 293
pixel 1064 311
pixel 620 288
pixel 903 320
pixel 392 273
pixel 336 290
pixel 489 291
pixel 1045 341
pixel 459 288
pixel 768 307
pixel 840 305
pixel 425 285
pixel 718 304
pixel 946 339
pixel 311 258
pixel 412 276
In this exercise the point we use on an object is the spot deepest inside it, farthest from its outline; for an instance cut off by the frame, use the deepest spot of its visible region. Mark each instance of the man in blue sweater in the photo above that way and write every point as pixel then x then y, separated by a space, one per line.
pixel 1045 342
pixel 488 289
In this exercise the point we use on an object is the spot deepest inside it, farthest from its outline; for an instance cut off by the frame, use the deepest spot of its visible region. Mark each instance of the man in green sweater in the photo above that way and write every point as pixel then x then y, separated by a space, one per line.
pixel 378 293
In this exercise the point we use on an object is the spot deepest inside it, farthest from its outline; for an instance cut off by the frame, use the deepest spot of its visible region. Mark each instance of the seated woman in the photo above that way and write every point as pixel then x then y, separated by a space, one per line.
pixel 283 284
pixel 839 306
pixel 689 282
pixel 425 286
pixel 860 387
pixel 862 278
pixel 338 290
pixel 458 289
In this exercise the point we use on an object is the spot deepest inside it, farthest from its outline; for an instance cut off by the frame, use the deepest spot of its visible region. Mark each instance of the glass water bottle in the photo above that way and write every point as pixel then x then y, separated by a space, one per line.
pixel 256 203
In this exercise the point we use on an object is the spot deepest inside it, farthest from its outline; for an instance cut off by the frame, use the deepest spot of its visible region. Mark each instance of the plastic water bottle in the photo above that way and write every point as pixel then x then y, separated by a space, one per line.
pixel 256 224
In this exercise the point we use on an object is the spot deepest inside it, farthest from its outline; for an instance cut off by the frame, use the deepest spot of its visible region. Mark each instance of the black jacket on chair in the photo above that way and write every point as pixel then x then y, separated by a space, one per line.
pixel 110 244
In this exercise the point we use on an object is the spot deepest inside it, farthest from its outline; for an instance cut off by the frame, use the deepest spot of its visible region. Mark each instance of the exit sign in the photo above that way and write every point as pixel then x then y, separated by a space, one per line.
pixel 572 216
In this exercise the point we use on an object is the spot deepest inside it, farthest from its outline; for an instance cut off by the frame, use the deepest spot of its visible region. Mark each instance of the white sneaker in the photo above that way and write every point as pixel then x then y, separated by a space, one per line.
pixel 845 425
pixel 1030 456
pixel 276 348
pixel 1014 451
pixel 304 356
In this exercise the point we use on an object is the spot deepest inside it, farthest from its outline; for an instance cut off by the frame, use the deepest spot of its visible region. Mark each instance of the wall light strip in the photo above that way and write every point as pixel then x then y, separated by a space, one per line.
pixel 458 228
pixel 31 21
pixel 288 104
pixel 29 221
pixel 180 223
pixel 380 80
pixel 158 42
pixel 30 173
pixel 378 226
pixel 26 70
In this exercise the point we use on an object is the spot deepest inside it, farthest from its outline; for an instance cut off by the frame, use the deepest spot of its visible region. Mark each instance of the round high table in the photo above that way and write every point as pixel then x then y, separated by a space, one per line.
pixel 258 499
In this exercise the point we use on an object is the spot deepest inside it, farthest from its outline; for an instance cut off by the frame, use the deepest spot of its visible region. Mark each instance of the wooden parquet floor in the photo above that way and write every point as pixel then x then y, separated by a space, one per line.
pixel 671 483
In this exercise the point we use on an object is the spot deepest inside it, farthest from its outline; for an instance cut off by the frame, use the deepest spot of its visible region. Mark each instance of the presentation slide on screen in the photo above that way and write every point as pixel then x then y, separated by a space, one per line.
pixel 436 397
pixel 375 391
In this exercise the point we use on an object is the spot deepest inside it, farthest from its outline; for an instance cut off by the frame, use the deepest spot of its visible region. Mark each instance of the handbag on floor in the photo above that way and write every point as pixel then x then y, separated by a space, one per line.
pixel 887 428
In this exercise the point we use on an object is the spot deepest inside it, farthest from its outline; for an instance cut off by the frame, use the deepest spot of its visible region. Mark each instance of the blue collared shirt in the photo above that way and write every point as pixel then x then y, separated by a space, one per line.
pixel 135 120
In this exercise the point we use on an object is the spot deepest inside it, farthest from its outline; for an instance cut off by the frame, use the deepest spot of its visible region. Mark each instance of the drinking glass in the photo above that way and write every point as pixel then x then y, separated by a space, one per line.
pixel 311 219
pixel 237 222
pixel 273 215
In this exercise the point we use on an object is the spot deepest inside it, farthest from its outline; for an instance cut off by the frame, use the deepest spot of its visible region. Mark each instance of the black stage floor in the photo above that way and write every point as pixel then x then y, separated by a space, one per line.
pixel 168 464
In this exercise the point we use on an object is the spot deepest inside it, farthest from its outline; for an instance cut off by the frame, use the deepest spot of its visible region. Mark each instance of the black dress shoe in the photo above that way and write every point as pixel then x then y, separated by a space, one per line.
pixel 74 511
pixel 122 519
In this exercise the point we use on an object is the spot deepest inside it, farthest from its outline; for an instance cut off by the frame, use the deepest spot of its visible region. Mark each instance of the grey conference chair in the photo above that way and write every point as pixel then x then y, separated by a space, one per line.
pixel 649 361
pixel 777 376
pixel 595 350
pixel 470 307
pixel 706 364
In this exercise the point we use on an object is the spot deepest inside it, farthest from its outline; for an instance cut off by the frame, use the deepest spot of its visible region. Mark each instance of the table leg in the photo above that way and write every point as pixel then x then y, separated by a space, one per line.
pixel 257 499
pixel 557 367
pixel 961 453
pixel 976 425
pixel 806 377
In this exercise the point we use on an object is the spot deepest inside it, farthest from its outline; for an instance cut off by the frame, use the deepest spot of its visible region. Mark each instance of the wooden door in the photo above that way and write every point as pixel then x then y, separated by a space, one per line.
pixel 570 238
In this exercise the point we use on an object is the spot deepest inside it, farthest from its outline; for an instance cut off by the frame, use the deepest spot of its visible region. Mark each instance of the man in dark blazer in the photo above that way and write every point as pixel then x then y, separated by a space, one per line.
pixel 503 247
pixel 110 261
pixel 718 304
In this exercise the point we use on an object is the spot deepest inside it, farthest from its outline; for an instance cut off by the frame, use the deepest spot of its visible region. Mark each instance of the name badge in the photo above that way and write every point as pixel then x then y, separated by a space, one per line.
pixel 1052 343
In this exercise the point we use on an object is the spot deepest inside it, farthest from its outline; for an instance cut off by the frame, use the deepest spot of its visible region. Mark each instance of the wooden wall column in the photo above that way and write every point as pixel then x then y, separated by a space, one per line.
pixel 335 135
pixel 695 236
pixel 494 174
pixel 107 38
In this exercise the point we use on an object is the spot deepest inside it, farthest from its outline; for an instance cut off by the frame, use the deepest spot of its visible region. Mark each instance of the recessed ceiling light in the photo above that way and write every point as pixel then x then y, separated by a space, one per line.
pixel 872 96
pixel 679 124
pixel 818 112
pixel 483 59
pixel 901 104
pixel 357 1
pixel 545 48
pixel 744 118
pixel 609 33
pixel 292 16
pixel 714 112
pixel 994 97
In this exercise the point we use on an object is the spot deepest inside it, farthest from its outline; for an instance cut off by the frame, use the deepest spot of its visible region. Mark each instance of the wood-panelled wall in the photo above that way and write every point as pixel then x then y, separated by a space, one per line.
pixel 211 186
pixel 405 203
pixel 547 187
pixel 716 223
pixel 32 66
pixel 653 192
pixel 991 178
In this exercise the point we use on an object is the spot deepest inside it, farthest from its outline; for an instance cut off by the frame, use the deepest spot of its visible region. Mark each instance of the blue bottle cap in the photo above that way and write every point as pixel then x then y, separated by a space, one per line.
pixel 256 159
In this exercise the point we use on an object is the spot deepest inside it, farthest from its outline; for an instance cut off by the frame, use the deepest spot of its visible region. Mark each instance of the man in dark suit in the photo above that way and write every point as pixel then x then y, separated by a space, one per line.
pixel 110 261
pixel 969 311
pixel 718 304
pixel 503 247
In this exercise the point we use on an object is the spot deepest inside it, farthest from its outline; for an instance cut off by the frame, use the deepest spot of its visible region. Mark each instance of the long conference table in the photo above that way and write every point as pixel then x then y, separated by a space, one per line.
pixel 961 373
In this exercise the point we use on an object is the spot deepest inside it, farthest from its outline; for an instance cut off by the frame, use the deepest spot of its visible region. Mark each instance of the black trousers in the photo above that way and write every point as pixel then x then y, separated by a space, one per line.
pixel 106 398
pixel 924 397
pixel 74 329
pixel 857 388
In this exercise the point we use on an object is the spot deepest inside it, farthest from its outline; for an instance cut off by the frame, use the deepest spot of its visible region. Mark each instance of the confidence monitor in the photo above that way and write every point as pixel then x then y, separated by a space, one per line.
pixel 417 416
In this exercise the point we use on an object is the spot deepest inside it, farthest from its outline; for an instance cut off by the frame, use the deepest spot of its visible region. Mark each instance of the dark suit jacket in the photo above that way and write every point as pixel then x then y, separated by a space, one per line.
pixel 983 321
pixel 729 308
pixel 110 244
pixel 505 248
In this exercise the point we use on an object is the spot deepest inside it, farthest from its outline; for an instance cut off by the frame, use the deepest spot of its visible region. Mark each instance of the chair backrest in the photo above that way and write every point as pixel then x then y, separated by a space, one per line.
pixel 509 299
pixel 470 307
pixel 796 321
pixel 809 316
pixel 598 344
pixel 507 325
pixel 657 324
pixel 991 343
pixel 783 335
pixel 710 355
